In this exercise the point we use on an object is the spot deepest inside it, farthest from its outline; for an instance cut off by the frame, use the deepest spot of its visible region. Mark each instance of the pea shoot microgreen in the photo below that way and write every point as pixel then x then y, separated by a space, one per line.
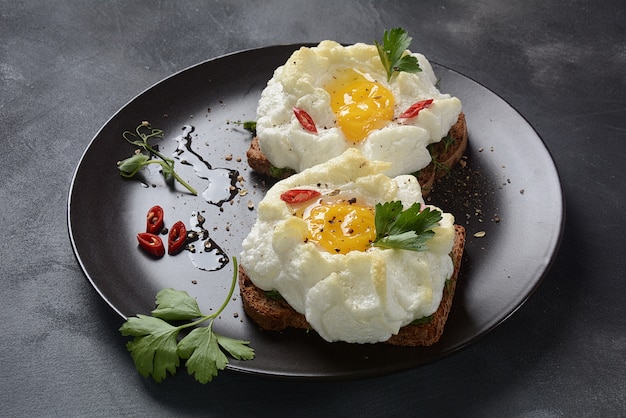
pixel 157 349
pixel 392 53
pixel 131 166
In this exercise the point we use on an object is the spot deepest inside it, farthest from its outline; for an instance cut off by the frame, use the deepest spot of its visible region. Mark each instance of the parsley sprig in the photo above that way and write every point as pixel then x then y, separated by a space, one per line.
pixel 156 348
pixel 248 125
pixel 404 229
pixel 395 42
pixel 130 166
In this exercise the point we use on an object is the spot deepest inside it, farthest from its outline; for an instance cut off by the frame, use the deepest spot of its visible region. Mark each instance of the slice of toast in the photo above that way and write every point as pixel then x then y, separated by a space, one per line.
pixel 445 155
pixel 274 313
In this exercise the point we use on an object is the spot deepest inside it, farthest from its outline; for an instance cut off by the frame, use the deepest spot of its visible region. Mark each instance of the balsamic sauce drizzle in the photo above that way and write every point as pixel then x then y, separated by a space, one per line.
pixel 204 253
pixel 222 181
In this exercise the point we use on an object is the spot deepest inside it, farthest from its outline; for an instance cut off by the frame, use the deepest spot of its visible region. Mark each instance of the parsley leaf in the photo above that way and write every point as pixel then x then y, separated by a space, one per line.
pixel 156 350
pixel 248 125
pixel 176 305
pixel 423 320
pixel 203 354
pixel 237 348
pixel 391 52
pixel 385 216
pixel 406 230
pixel 201 348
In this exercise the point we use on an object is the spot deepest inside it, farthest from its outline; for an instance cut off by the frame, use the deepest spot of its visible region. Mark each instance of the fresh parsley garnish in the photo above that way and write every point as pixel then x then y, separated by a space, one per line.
pixel 274 295
pixel 156 348
pixel 248 125
pixel 280 173
pixel 404 229
pixel 423 320
pixel 391 52
pixel 130 166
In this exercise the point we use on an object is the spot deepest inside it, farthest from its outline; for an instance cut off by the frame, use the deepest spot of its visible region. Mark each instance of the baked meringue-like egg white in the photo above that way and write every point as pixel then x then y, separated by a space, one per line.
pixel 344 90
pixel 316 251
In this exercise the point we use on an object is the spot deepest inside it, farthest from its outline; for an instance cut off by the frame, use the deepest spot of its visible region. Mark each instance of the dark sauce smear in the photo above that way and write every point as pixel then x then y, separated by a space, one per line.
pixel 222 182
pixel 204 253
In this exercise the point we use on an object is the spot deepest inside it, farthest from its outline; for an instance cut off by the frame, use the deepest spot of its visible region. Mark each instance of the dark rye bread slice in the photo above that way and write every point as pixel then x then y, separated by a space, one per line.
pixel 275 314
pixel 445 154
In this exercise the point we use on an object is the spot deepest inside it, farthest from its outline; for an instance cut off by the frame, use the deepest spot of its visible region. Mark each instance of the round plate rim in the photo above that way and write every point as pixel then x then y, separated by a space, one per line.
pixel 241 366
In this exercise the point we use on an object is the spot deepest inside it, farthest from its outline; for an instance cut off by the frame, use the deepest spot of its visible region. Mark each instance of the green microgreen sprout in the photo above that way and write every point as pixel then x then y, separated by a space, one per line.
pixel 131 166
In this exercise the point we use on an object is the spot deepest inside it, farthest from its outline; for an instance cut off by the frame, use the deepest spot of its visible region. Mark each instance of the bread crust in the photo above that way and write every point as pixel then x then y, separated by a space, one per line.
pixel 275 314
pixel 446 154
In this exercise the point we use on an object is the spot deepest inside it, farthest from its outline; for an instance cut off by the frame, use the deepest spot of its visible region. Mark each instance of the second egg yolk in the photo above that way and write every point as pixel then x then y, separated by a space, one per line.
pixel 360 104
pixel 340 226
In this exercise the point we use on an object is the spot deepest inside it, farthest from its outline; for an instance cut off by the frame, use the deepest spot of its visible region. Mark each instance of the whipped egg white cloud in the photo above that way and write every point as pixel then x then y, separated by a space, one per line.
pixel 312 79
pixel 356 296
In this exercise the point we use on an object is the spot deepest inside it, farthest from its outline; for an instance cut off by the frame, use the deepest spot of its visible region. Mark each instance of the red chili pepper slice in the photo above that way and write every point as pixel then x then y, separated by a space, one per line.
pixel 305 120
pixel 177 238
pixel 415 108
pixel 154 220
pixel 299 195
pixel 151 243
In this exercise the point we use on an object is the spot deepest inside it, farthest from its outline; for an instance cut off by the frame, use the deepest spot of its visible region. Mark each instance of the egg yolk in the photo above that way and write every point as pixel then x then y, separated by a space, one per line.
pixel 340 226
pixel 360 104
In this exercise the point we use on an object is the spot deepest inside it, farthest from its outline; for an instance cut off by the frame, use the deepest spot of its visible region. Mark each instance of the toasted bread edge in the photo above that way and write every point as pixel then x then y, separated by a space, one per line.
pixel 447 156
pixel 276 315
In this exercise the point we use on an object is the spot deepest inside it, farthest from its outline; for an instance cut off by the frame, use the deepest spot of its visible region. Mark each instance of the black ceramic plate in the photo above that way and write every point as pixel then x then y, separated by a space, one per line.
pixel 508 191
